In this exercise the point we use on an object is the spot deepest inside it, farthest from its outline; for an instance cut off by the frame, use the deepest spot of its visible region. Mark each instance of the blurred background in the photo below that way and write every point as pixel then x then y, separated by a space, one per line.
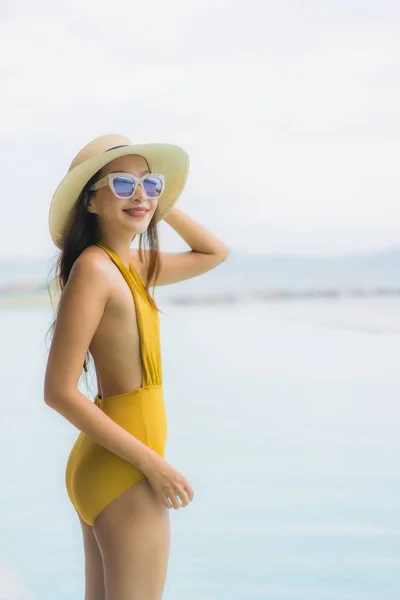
pixel 281 366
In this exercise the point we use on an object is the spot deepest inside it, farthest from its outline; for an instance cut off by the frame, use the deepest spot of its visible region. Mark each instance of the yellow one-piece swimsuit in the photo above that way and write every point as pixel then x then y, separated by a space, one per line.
pixel 94 475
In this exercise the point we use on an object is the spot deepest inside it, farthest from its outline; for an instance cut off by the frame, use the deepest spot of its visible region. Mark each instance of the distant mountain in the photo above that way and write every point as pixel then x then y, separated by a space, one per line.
pixel 284 272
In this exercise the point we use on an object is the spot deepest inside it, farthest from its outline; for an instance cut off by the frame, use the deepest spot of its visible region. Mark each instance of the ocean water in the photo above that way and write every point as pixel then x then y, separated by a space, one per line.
pixel 285 418
pixel 245 273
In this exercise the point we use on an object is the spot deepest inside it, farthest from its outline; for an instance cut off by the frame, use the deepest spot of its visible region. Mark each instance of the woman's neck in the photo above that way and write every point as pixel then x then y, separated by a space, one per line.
pixel 120 247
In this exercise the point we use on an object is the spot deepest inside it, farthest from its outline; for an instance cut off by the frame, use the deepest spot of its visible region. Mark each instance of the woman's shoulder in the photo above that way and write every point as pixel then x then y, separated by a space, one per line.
pixel 91 267
pixel 92 258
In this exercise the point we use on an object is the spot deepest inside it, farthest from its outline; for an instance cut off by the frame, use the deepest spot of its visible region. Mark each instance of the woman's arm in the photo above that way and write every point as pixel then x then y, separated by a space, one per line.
pixel 81 307
pixel 206 251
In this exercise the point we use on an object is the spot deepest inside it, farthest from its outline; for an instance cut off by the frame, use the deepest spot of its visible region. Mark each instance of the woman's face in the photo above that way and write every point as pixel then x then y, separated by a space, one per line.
pixel 116 214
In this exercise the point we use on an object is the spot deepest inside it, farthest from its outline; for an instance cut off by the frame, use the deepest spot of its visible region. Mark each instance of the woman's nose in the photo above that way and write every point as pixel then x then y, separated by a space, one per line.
pixel 139 193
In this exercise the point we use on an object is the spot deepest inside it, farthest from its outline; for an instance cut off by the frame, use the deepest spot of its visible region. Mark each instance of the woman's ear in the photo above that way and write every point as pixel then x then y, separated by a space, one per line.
pixel 90 204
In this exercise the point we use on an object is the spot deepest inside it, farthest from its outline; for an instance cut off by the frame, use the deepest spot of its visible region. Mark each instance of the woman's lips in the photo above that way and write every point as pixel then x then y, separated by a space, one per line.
pixel 137 213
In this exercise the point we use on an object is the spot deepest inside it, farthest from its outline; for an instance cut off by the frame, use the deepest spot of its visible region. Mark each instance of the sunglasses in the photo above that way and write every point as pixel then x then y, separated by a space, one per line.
pixel 123 185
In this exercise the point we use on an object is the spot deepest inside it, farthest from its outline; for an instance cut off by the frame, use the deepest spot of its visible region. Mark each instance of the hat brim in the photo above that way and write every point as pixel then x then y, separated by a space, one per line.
pixel 167 159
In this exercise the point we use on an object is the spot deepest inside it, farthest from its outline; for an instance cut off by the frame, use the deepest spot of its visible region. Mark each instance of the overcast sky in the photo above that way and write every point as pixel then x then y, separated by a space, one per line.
pixel 302 95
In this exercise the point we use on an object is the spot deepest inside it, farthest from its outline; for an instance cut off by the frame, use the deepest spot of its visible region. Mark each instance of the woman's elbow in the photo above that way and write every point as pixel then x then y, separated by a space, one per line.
pixel 52 395
pixel 223 253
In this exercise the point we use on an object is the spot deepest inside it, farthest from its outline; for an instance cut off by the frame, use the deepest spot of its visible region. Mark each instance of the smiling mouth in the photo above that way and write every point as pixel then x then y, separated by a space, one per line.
pixel 136 212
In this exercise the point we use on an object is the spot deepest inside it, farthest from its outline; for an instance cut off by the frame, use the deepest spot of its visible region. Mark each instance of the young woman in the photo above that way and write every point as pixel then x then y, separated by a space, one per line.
pixel 117 478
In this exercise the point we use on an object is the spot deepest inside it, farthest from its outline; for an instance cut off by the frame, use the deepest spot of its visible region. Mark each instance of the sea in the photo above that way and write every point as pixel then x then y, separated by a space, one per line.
pixel 284 415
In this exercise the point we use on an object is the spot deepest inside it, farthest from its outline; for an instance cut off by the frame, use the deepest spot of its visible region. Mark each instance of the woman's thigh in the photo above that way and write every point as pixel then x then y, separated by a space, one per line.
pixel 133 533
pixel 94 574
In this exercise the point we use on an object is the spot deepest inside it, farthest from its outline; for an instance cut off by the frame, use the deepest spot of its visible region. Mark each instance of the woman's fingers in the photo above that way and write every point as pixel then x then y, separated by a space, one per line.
pixel 183 497
pixel 189 490
pixel 170 485
pixel 179 498
pixel 166 501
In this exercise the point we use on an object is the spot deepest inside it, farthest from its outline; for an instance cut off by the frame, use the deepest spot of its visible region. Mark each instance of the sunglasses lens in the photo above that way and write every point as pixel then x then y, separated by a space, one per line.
pixel 123 186
pixel 152 186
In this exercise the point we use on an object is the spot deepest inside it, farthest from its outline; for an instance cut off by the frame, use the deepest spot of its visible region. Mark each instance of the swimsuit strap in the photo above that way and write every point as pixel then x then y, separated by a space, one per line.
pixel 147 320
pixel 131 276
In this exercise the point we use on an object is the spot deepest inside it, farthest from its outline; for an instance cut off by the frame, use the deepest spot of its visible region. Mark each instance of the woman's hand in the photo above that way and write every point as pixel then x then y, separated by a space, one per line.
pixel 171 487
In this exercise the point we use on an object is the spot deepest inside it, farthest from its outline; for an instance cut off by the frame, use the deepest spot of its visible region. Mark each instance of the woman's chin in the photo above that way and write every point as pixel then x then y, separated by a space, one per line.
pixel 138 227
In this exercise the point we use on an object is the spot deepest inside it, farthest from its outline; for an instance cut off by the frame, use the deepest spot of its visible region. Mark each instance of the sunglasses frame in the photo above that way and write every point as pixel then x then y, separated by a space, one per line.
pixel 109 179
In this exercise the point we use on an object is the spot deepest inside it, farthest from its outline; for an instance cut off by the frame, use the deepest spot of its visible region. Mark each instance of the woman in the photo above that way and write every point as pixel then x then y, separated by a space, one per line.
pixel 117 478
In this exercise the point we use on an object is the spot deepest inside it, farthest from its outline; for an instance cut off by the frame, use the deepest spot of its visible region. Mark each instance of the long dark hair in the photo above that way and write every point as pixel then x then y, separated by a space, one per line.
pixel 83 231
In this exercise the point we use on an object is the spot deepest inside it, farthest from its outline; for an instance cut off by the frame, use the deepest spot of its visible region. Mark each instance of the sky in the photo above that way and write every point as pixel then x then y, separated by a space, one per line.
pixel 302 96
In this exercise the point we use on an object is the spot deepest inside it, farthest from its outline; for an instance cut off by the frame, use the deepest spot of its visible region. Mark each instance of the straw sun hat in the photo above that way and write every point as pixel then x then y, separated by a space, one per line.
pixel 170 160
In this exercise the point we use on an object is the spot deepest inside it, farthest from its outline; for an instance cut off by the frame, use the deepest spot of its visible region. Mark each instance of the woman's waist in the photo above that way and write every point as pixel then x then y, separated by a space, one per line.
pixel 144 405
pixel 144 391
pixel 120 378
pixel 140 412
